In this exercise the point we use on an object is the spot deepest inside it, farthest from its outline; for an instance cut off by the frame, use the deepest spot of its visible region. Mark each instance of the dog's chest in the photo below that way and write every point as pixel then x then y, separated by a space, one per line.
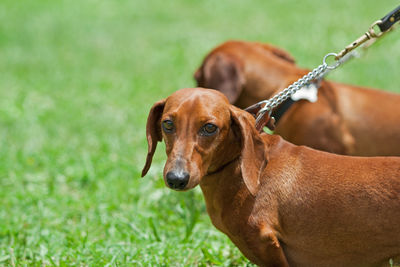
pixel 228 212
pixel 222 216
pixel 244 232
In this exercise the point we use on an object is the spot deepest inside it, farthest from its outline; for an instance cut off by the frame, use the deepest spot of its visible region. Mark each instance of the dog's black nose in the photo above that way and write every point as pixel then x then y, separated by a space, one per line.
pixel 177 179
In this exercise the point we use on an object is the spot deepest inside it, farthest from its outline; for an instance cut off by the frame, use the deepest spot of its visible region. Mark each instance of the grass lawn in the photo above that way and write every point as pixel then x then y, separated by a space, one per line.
pixel 77 79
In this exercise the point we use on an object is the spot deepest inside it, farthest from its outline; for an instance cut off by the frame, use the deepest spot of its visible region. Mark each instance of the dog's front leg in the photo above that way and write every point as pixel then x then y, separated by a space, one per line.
pixel 266 250
pixel 274 255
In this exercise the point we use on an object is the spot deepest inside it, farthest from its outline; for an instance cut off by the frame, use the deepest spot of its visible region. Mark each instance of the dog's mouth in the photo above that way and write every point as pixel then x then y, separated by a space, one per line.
pixel 179 190
pixel 179 187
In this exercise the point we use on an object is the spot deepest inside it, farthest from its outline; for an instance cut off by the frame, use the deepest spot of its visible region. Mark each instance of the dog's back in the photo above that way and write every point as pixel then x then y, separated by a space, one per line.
pixel 372 117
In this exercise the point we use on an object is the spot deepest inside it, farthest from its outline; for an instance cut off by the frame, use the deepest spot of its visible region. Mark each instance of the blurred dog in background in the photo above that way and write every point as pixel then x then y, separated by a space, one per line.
pixel 345 119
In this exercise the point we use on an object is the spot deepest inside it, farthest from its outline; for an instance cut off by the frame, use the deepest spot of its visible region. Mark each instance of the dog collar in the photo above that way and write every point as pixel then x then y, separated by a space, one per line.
pixel 309 93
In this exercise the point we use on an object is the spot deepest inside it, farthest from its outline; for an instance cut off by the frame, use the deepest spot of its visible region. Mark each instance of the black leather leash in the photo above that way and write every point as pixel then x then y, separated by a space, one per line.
pixel 282 108
pixel 390 19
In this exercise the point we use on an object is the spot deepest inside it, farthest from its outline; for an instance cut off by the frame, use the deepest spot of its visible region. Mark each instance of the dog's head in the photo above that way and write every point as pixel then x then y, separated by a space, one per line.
pixel 203 133
pixel 229 67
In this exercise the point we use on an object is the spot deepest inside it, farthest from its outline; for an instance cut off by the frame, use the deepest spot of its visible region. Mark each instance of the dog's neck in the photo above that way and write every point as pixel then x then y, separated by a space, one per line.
pixel 224 193
pixel 229 172
pixel 224 189
pixel 229 151
pixel 221 168
pixel 228 155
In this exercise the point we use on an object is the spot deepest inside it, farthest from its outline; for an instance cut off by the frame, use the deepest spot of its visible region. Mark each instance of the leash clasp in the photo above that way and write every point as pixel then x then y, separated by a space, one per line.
pixel 263 117
pixel 385 25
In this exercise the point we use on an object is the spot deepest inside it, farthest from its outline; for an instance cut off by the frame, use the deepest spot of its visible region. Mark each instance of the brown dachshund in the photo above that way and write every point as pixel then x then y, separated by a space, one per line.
pixel 279 203
pixel 345 119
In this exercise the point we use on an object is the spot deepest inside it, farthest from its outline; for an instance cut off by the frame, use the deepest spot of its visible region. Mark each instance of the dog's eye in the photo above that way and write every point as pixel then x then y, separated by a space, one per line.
pixel 168 126
pixel 208 129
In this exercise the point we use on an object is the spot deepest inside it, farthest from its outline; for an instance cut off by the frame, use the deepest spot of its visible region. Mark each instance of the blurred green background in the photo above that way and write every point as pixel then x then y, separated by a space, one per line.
pixel 77 79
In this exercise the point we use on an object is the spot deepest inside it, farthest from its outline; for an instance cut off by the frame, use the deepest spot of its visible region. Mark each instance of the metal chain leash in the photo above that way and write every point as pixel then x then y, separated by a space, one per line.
pixel 385 24
pixel 275 101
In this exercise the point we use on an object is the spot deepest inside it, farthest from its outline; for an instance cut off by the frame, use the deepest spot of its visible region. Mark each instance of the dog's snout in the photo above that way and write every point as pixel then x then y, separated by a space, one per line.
pixel 177 179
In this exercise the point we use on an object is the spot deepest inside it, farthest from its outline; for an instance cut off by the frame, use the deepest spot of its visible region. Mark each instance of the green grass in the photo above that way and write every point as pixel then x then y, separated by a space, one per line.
pixel 77 79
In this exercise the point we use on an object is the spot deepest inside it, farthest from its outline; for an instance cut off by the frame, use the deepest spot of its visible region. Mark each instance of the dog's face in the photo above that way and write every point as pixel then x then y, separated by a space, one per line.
pixel 194 124
pixel 202 133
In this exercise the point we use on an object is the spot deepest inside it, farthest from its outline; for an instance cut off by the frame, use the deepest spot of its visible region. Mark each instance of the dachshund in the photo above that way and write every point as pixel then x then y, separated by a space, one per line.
pixel 279 203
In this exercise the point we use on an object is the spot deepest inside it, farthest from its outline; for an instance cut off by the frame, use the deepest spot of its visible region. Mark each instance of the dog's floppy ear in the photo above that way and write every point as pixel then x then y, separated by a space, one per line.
pixel 153 132
pixel 223 74
pixel 253 155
